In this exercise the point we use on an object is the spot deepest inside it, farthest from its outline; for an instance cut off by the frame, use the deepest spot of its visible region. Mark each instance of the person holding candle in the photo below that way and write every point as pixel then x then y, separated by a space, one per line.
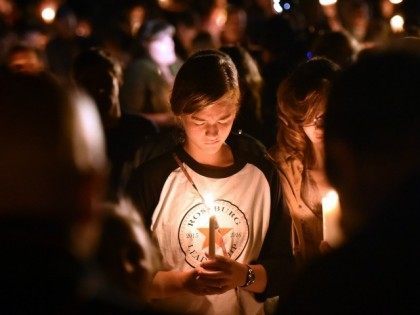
pixel 372 158
pixel 299 152
pixel 244 221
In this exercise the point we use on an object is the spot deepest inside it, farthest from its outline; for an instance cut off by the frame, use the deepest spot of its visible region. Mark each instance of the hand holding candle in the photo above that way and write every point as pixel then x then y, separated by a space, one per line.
pixel 331 219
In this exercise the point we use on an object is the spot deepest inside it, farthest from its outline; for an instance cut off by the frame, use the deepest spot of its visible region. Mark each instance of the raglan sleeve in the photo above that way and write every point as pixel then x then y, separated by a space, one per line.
pixel 276 254
pixel 140 191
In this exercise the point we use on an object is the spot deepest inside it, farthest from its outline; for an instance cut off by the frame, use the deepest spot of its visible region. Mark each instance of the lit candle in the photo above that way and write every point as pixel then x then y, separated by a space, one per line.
pixel 212 236
pixel 331 218
pixel 208 201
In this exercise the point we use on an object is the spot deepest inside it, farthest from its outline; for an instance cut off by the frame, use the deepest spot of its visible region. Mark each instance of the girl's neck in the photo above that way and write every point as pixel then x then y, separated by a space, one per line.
pixel 221 158
pixel 319 157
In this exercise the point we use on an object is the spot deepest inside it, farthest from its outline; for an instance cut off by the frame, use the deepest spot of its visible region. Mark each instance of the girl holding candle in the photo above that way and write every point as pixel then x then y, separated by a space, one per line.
pixel 250 233
pixel 299 152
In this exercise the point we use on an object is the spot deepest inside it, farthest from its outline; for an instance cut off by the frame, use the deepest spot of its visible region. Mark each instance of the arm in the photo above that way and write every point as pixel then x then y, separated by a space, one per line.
pixel 276 254
pixel 169 283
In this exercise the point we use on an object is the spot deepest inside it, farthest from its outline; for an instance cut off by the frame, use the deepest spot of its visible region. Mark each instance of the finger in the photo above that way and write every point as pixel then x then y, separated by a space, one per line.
pixel 212 274
pixel 212 283
pixel 217 257
pixel 219 263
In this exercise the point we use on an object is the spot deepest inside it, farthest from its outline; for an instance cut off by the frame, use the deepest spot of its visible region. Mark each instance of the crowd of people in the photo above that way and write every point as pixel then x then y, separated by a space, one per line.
pixel 173 159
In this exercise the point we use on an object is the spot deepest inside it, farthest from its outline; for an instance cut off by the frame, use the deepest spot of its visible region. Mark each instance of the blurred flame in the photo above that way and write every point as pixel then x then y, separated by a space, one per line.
pixel 397 23
pixel 48 14
pixel 277 7
pixel 327 2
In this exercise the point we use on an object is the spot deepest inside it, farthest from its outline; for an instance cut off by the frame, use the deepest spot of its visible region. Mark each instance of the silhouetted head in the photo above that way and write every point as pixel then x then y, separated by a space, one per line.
pixel 371 126
pixel 100 75
pixel 53 159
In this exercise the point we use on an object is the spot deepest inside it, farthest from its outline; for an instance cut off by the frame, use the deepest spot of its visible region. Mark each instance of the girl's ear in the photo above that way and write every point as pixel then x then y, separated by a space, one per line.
pixel 179 122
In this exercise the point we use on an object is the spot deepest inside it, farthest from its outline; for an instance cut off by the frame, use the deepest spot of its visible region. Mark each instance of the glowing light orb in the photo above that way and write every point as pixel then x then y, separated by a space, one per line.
pixel 327 2
pixel 48 14
pixel 397 23
pixel 277 7
pixel 395 1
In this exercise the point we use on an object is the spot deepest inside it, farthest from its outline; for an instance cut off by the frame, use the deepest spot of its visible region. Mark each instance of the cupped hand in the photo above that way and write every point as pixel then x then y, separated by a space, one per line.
pixel 223 272
pixel 324 247
pixel 201 282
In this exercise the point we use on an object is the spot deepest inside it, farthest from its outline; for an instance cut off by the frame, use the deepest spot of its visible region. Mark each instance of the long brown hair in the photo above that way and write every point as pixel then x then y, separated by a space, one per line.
pixel 300 98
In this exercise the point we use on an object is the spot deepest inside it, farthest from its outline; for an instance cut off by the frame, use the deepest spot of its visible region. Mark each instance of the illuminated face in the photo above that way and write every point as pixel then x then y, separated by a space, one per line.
pixel 315 130
pixel 206 130
pixel 162 50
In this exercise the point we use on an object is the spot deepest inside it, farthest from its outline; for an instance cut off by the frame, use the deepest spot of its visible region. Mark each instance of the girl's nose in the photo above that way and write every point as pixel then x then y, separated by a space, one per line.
pixel 212 130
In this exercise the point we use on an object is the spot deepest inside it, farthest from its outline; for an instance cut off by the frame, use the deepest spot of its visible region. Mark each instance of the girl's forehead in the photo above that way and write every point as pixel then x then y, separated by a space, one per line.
pixel 222 107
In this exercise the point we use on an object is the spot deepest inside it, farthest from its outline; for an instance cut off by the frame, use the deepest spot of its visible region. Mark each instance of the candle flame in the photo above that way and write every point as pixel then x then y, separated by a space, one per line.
pixel 208 199
pixel 327 2
pixel 330 200
pixel 397 23
pixel 48 14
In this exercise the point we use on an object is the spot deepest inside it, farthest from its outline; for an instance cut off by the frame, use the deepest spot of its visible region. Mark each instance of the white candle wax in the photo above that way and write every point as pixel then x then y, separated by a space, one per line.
pixel 331 219
pixel 212 236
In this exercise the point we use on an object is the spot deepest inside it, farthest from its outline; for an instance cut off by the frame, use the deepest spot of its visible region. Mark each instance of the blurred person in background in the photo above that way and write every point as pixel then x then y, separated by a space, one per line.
pixel 233 32
pixel 372 147
pixel 187 26
pixel 149 78
pixel 248 119
pixel 53 174
pixel 100 75
pixel 66 43
pixel 281 53
pixel 25 59
pixel 337 46
pixel 126 254
pixel 119 31
pixel 202 41
pixel 299 152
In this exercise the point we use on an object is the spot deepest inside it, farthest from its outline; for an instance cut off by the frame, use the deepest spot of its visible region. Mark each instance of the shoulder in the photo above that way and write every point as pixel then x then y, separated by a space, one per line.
pixel 157 145
pixel 243 143
pixel 251 150
pixel 142 65
pixel 137 123
pixel 157 166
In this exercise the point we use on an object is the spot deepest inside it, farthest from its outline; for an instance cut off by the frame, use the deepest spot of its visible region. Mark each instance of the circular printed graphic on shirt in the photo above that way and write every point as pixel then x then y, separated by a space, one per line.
pixel 230 236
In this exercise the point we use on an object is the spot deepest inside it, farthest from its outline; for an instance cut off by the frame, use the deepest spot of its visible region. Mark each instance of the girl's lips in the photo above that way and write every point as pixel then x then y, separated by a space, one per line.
pixel 211 142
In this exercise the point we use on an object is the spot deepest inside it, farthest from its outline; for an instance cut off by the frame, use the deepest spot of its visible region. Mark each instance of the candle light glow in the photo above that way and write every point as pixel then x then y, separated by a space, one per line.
pixel 330 219
pixel 397 23
pixel 48 14
pixel 327 2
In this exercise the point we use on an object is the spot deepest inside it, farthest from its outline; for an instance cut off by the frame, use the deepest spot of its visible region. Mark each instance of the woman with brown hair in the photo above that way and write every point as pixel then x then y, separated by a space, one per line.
pixel 299 152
